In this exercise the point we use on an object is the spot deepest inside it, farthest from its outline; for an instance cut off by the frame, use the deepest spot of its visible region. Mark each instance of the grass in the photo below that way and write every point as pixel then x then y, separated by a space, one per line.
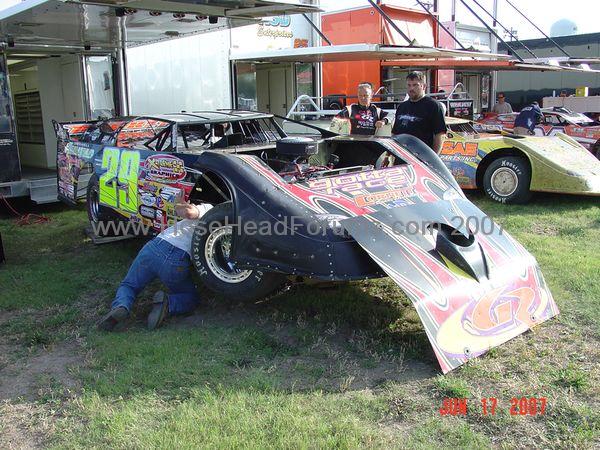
pixel 345 367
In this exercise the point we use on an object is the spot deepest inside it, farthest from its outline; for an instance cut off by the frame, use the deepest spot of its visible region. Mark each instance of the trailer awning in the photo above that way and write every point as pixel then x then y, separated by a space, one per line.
pixel 470 64
pixel 404 56
pixel 107 24
pixel 358 52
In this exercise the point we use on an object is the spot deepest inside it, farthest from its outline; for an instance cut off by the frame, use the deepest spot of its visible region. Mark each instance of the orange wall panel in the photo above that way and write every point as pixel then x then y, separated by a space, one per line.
pixel 366 25
pixel 343 77
pixel 351 27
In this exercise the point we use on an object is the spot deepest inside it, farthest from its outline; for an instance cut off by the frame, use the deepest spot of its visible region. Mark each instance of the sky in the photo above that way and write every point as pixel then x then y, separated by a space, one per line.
pixel 544 13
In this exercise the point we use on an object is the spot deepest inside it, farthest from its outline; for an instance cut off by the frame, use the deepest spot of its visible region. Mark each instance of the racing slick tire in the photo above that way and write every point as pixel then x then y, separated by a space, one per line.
pixel 211 244
pixel 507 180
pixel 100 217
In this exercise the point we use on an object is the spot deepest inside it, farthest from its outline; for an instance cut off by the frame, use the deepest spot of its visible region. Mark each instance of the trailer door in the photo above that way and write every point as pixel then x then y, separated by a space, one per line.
pixel 10 167
pixel 99 89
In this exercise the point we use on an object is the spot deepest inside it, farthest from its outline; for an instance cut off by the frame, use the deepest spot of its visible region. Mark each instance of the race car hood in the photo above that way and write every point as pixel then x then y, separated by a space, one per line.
pixel 473 286
pixel 561 150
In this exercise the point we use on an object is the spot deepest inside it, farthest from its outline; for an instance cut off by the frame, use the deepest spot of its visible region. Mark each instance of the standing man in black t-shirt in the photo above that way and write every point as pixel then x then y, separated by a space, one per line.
pixel 364 117
pixel 420 116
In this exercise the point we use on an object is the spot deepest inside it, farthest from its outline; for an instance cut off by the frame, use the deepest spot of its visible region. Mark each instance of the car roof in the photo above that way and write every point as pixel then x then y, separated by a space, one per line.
pixel 455 120
pixel 560 111
pixel 207 117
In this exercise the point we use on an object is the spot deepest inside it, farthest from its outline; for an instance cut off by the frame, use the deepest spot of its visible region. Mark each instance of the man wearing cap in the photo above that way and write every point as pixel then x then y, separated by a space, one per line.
pixel 527 119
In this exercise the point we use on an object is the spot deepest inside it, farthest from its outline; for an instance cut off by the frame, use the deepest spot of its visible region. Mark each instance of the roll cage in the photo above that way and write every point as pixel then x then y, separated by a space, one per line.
pixel 160 134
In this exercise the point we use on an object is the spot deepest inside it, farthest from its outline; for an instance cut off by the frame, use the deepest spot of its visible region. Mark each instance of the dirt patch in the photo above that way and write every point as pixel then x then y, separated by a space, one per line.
pixel 24 426
pixel 33 375
pixel 337 359
pixel 545 229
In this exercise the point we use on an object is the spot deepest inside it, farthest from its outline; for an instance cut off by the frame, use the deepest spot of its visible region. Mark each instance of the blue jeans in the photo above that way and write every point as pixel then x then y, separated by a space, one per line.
pixel 159 259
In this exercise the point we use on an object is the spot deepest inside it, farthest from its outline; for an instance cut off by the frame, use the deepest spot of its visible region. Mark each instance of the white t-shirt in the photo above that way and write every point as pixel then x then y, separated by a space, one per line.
pixel 502 108
pixel 180 234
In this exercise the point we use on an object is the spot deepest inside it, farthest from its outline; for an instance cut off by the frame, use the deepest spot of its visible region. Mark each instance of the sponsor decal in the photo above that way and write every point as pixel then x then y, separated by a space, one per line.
pixel 170 195
pixel 148 212
pixel 81 152
pixel 382 197
pixel 459 148
pixel 148 187
pixel 164 168
pixel 300 43
pixel 492 319
pixel 148 199
pixel 393 178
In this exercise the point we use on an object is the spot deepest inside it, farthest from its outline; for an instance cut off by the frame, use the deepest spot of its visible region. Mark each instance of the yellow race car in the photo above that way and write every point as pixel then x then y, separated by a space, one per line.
pixel 509 167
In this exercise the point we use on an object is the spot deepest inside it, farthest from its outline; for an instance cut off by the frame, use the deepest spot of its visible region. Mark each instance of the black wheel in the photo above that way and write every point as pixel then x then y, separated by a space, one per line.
pixel 507 180
pixel 100 216
pixel 211 246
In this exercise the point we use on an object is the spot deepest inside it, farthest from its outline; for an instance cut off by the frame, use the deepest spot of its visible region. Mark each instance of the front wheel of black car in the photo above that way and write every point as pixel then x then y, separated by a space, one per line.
pixel 507 180
pixel 211 249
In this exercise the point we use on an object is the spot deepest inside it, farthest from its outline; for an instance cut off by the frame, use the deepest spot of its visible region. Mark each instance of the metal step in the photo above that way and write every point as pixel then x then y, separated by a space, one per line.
pixel 13 189
pixel 43 190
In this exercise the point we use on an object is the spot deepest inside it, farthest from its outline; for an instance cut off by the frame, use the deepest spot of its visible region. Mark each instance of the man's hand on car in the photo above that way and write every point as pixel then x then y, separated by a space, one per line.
pixel 186 210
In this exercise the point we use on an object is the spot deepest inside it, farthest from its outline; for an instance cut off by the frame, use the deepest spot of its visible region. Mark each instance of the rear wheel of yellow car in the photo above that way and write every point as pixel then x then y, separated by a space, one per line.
pixel 507 180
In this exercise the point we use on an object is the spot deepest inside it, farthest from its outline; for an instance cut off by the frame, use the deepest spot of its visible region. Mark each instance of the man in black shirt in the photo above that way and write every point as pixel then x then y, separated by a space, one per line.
pixel 420 116
pixel 364 117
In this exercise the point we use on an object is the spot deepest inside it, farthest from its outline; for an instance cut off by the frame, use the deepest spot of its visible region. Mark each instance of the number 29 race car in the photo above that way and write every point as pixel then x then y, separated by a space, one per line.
pixel 339 208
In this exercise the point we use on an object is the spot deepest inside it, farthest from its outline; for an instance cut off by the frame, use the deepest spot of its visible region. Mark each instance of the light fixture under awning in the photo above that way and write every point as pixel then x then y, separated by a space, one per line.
pixel 247 9
pixel 108 24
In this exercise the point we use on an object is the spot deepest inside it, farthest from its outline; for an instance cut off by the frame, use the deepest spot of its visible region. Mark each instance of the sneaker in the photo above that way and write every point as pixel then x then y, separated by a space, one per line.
pixel 113 318
pixel 160 310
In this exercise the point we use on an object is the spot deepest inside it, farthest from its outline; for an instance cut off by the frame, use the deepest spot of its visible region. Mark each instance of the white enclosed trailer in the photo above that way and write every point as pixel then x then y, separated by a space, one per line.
pixel 66 60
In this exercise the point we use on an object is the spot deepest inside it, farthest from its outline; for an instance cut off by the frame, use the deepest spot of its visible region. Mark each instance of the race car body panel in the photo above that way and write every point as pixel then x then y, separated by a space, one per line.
pixel 558 164
pixel 473 286
pixel 472 291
